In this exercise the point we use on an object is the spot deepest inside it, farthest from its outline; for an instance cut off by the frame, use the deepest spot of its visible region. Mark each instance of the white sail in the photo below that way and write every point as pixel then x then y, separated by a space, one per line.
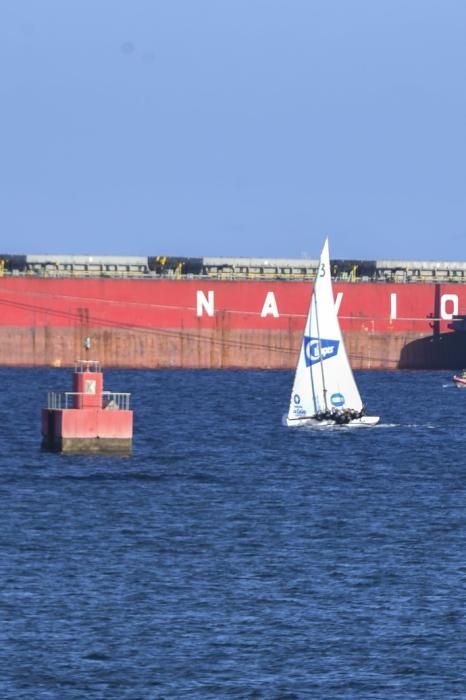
pixel 324 379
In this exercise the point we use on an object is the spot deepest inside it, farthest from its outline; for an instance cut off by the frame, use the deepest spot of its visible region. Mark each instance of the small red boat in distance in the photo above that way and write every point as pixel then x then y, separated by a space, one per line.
pixel 460 379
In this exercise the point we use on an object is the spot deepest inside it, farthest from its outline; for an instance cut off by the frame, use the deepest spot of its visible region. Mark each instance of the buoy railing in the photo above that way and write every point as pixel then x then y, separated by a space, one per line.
pixel 75 399
pixel 81 366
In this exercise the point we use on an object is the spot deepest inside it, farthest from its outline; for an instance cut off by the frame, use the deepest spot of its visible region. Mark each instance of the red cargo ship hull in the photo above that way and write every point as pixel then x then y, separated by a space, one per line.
pixel 148 323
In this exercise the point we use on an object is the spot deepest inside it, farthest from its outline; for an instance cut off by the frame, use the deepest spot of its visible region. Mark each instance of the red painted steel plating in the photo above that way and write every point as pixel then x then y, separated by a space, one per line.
pixel 215 323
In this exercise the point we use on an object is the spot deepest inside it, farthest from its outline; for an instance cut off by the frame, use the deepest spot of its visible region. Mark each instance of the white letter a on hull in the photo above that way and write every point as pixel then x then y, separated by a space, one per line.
pixel 270 306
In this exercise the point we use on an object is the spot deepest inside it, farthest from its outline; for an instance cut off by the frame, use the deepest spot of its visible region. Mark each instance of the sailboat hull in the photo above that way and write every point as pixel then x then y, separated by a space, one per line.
pixel 367 420
pixel 364 421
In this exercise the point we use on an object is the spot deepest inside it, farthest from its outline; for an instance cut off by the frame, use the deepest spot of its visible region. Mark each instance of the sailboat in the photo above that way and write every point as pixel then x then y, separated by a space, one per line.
pixel 324 390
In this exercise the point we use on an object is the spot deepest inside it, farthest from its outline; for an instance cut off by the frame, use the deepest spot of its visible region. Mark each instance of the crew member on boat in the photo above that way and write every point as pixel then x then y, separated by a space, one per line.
pixel 340 416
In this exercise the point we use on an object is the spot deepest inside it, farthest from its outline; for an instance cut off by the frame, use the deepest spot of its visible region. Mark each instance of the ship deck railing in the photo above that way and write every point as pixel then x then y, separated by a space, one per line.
pixel 309 275
pixel 111 400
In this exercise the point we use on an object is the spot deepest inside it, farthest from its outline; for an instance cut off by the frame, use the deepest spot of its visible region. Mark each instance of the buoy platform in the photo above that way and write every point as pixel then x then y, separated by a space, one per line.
pixel 87 419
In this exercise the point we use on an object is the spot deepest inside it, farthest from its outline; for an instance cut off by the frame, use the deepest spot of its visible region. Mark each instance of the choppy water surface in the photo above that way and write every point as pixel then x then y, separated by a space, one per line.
pixel 229 556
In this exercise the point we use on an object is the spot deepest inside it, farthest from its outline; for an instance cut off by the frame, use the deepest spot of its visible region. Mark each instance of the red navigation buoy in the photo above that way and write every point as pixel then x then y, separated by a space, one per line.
pixel 87 419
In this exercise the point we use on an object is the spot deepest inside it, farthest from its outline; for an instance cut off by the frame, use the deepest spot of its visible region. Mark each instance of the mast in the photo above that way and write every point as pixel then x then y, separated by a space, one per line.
pixel 322 273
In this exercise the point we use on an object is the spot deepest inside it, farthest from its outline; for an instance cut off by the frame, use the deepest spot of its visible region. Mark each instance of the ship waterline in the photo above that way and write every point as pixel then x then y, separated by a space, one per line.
pixel 210 323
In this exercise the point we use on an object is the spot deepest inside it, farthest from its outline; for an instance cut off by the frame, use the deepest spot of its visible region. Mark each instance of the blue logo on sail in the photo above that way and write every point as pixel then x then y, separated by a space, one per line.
pixel 337 400
pixel 314 349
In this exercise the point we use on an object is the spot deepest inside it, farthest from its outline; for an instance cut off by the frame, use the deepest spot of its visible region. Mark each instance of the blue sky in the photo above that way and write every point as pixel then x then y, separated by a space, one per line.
pixel 234 127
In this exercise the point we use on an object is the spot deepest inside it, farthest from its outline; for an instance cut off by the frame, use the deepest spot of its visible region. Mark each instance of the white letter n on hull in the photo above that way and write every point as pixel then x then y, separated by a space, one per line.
pixel 205 304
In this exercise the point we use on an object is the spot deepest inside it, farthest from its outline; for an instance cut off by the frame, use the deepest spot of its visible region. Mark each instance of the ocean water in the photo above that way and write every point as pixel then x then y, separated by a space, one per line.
pixel 229 556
